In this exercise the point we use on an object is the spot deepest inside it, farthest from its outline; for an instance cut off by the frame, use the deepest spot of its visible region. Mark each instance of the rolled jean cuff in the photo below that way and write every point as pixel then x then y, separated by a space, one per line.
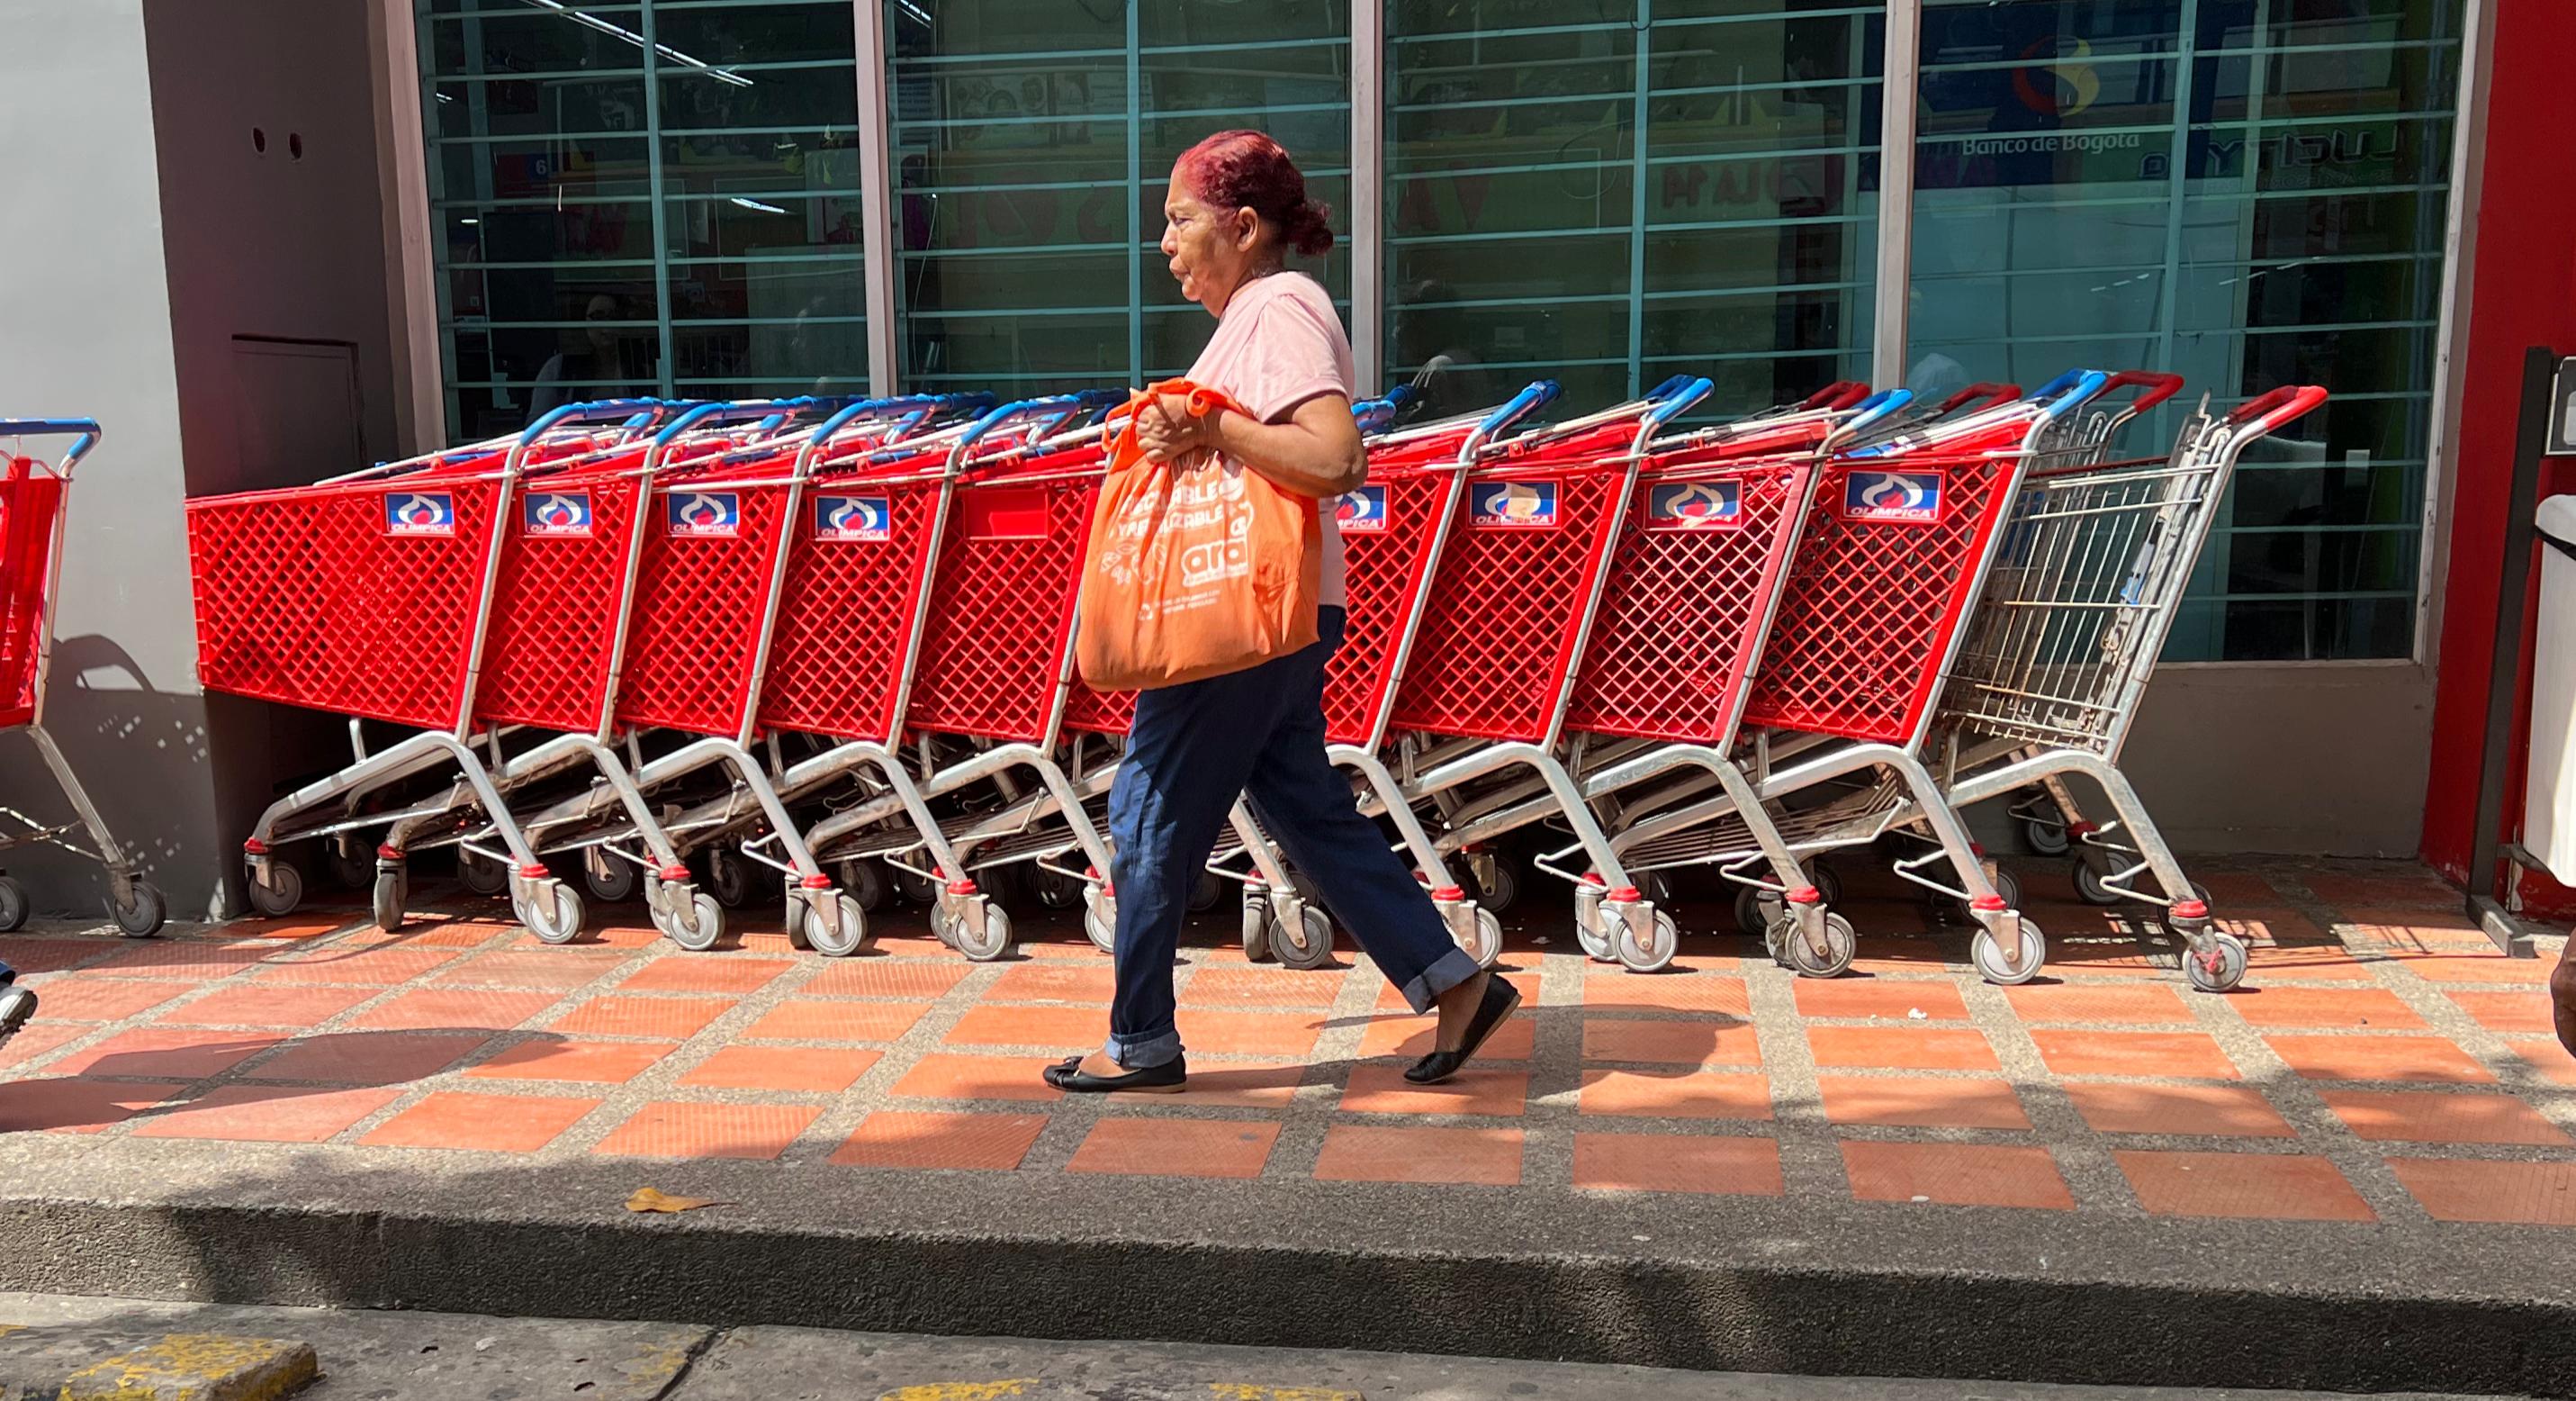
pixel 1143 1052
pixel 1448 971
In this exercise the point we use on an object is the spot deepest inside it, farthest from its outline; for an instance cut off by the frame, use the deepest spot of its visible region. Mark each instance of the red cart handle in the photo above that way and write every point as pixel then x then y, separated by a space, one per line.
pixel 2282 406
pixel 1841 394
pixel 1989 393
pixel 2158 387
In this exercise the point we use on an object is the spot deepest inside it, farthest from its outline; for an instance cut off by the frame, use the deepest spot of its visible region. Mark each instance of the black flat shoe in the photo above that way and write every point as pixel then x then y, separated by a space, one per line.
pixel 1164 1079
pixel 1500 998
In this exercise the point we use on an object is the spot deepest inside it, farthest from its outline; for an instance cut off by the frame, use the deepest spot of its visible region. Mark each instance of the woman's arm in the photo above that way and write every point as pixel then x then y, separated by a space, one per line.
pixel 1315 453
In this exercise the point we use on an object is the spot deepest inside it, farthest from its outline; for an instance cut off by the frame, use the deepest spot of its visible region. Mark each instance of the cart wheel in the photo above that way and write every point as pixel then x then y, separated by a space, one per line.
pixel 1256 930
pixel 694 924
pixel 2228 953
pixel 1207 894
pixel 392 897
pixel 852 936
pixel 1756 910
pixel 140 919
pixel 13 905
pixel 1103 933
pixel 2047 836
pixel 914 887
pixel 865 881
pixel 1054 890
pixel 2090 888
pixel 1596 944
pixel 283 892
pixel 996 942
pixel 1488 945
pixel 2164 917
pixel 2007 885
pixel 1989 957
pixel 1310 945
pixel 609 879
pixel 1499 893
pixel 1841 945
pixel 1654 955
pixel 728 878
pixel 481 876
pixel 555 914
pixel 350 866
pixel 1002 885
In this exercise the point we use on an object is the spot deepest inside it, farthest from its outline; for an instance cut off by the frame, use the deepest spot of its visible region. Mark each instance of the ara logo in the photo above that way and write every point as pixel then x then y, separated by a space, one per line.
pixel 1910 498
pixel 1512 504
pixel 1361 512
pixel 565 513
pixel 851 519
pixel 705 515
pixel 420 513
pixel 1694 505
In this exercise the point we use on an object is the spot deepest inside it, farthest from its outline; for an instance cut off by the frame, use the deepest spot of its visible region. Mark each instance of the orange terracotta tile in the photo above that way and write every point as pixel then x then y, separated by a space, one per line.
pixel 1641 1162
pixel 2429 1059
pixel 1886 999
pixel 1902 1047
pixel 2355 1008
pixel 477 1009
pixel 2237 887
pixel 1269 1085
pixel 2416 931
pixel 1251 1033
pixel 1237 989
pixel 363 967
pixel 1702 1042
pixel 1918 1101
pixel 696 972
pixel 1390 998
pixel 369 1057
pixel 1065 1029
pixel 624 938
pixel 41 1038
pixel 676 1129
pixel 815 1069
pixel 588 1062
pixel 491 1123
pixel 2210 1110
pixel 2476 968
pixel 1411 1037
pixel 2268 1186
pixel 668 1018
pixel 2136 1004
pixel 1713 993
pixel 942 1076
pixel 264 1005
pixel 1382 1153
pixel 2187 1055
pixel 887 977
pixel 163 958
pixel 2426 1116
pixel 2096 957
pixel 1691 1095
pixel 2496 1011
pixel 291 927
pixel 2414 889
pixel 1165 1147
pixel 799 1019
pixel 86 999
pixel 2545 1057
pixel 458 934
pixel 1086 983
pixel 1382 1089
pixel 985 1142
pixel 74 1105
pixel 530 968
pixel 2272 925
pixel 2318 963
pixel 266 1114
pixel 172 1053
pixel 31 955
pixel 1956 1174
pixel 2521 1194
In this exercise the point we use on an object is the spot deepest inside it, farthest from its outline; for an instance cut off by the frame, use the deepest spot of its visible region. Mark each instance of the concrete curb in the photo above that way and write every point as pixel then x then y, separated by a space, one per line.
pixel 66 1364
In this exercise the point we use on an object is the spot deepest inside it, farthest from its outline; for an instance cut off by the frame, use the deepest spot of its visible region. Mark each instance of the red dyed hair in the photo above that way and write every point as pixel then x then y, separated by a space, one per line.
pixel 1247 170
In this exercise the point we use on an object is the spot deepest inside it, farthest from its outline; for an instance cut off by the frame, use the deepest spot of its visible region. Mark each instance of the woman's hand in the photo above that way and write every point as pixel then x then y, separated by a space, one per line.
pixel 1166 430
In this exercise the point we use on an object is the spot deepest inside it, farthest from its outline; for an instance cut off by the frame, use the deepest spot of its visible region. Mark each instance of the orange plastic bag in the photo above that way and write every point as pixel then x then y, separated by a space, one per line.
pixel 1196 568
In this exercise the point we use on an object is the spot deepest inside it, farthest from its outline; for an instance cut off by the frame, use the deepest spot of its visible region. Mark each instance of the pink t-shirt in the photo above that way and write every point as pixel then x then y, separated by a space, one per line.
pixel 1279 344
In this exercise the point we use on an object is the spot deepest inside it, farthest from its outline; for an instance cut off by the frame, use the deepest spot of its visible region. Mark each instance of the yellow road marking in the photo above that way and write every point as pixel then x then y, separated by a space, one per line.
pixel 960 1391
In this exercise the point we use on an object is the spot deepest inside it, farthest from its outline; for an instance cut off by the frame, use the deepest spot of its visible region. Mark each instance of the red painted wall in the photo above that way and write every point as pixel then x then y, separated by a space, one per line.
pixel 2524 295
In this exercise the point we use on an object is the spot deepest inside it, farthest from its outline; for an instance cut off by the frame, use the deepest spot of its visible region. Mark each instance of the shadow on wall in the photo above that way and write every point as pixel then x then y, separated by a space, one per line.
pixel 140 753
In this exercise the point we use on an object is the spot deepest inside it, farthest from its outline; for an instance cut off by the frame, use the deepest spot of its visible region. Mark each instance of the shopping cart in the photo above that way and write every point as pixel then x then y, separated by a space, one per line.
pixel 2076 611
pixel 369 596
pixel 33 498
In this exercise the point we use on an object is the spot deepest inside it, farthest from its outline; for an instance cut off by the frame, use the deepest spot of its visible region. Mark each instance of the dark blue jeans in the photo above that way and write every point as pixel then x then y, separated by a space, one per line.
pixel 1259 734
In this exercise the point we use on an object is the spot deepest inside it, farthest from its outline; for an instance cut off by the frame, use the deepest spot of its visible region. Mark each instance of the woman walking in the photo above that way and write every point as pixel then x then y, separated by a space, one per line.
pixel 1237 205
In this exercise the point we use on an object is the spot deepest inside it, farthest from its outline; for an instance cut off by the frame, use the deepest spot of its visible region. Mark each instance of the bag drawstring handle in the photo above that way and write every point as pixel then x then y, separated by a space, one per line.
pixel 1201 399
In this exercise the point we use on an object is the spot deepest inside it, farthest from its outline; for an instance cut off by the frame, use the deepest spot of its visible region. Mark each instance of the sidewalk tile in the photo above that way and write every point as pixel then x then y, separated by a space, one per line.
pixel 800 1019
pixel 1066 1029
pixel 1410 1037
pixel 2266 1186
pixel 1248 988
pixel 1665 992
pixel 584 1062
pixel 814 1069
pixel 985 1142
pixel 2188 1055
pixel 263 1005
pixel 2543 1054
pixel 2234 1111
pixel 2412 891
pixel 548 968
pixel 1088 984
pixel 1690 1095
pixel 1921 1102
pixel 2271 924
pixel 492 1123
pixel 2308 963
pixel 676 1129
pixel 2522 1194
pixel 1390 998
pixel 2354 1008
pixel 1642 1162
pixel 904 979
pixel 1885 999
pixel 2434 1116
pixel 1246 1085
pixel 945 1076
pixel 171 1053
pixel 161 958
pixel 667 1018
pixel 2142 1004
pixel 81 998
pixel 1245 1033
pixel 1382 1089
pixel 40 1038
pixel 370 1057
pixel 31 956
pixel 694 972
pixel 266 1114
pixel 477 1009
pixel 75 1105
pixel 1166 1147
pixel 1703 1042
pixel 2477 968
pixel 2428 1059
pixel 1956 1174
pixel 1378 1153
pixel 380 967
pixel 1901 1047
pixel 2519 1012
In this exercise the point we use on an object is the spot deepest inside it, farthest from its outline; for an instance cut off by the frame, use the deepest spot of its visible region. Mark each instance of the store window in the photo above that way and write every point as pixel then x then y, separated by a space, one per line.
pixel 2248 193
pixel 1608 192
pixel 642 199
pixel 1031 141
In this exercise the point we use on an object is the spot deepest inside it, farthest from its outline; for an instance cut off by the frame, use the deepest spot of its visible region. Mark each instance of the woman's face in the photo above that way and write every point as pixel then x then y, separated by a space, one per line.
pixel 1210 250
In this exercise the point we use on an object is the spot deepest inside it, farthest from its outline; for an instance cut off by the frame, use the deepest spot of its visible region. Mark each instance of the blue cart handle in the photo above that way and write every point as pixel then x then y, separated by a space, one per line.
pixel 597 411
pixel 1675 397
pixel 86 429
pixel 2088 383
